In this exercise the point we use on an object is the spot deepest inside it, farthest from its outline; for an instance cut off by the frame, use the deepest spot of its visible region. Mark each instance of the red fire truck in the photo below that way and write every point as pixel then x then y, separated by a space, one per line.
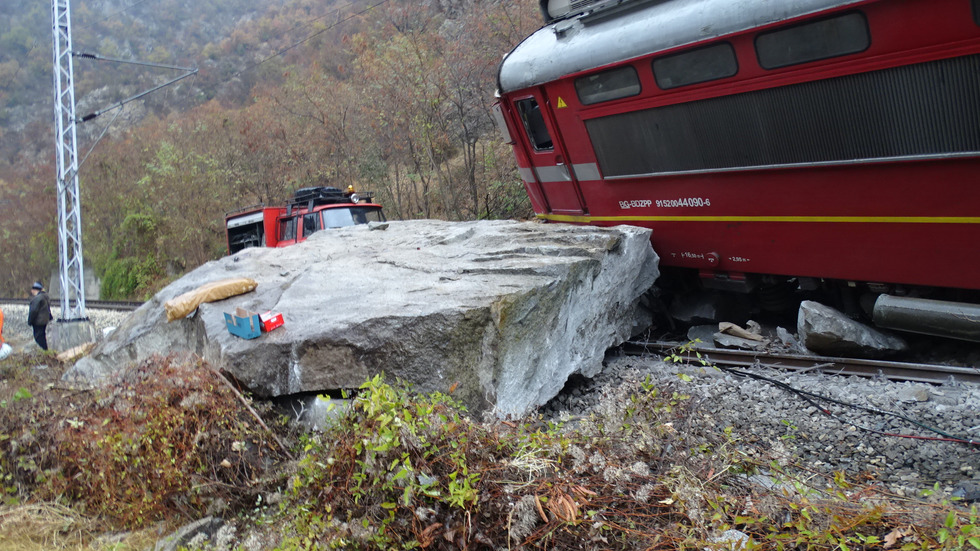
pixel 310 210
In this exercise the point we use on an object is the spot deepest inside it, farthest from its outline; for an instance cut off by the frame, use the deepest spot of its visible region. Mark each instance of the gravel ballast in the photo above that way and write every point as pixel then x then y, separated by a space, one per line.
pixel 20 336
pixel 773 422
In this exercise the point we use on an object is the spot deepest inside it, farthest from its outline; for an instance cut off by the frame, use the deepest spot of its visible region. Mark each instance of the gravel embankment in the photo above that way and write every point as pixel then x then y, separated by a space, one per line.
pixel 767 419
pixel 19 335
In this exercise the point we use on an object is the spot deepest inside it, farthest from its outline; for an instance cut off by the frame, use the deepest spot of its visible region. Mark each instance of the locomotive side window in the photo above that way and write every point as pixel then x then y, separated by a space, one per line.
pixel 695 66
pixel 837 36
pixel 976 11
pixel 287 229
pixel 533 120
pixel 608 85
pixel 311 223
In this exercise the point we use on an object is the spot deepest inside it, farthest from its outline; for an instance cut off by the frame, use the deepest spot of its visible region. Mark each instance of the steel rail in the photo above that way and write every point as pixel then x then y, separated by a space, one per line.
pixel 894 371
pixel 118 305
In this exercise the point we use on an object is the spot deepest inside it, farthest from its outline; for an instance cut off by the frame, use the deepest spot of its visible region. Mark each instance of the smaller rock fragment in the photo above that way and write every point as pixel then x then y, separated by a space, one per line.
pixel 824 330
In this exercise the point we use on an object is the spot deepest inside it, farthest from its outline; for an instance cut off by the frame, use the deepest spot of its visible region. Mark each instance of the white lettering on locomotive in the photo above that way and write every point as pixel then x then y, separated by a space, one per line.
pixel 683 202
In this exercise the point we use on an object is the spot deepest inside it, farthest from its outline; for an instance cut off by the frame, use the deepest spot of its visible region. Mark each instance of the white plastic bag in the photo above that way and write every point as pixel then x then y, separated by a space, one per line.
pixel 5 350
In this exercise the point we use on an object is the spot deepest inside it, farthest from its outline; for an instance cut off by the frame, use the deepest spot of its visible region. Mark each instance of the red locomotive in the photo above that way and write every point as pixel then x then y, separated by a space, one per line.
pixel 310 210
pixel 818 140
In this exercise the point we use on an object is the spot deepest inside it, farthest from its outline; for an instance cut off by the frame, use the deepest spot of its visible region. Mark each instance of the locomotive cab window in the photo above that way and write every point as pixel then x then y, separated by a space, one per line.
pixel 533 120
pixel 287 229
pixel 608 85
pixel 976 11
pixel 695 66
pixel 837 36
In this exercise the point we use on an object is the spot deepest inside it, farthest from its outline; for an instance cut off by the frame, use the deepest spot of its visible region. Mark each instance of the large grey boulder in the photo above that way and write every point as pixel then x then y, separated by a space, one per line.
pixel 826 331
pixel 508 310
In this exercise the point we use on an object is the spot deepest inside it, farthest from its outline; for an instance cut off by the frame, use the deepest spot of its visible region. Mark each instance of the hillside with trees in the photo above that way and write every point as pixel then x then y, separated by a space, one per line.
pixel 389 96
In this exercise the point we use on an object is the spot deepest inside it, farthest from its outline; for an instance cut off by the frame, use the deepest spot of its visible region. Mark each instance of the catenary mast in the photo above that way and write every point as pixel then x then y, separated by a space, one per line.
pixel 66 150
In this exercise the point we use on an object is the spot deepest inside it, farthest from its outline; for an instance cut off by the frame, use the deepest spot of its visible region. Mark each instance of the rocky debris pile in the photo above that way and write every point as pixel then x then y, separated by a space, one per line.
pixel 766 419
pixel 820 329
pixel 729 335
pixel 502 312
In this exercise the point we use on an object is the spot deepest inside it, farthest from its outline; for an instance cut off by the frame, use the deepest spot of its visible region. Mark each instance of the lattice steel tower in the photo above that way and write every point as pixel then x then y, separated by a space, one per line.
pixel 69 203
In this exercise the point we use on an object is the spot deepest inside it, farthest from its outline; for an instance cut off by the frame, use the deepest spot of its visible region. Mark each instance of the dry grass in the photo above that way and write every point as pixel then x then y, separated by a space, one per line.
pixel 53 527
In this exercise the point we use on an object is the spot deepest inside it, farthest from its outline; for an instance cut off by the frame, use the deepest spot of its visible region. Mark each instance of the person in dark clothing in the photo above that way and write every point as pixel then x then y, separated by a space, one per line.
pixel 39 314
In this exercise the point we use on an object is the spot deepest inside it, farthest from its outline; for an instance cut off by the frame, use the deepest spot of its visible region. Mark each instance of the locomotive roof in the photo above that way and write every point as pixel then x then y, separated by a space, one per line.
pixel 591 41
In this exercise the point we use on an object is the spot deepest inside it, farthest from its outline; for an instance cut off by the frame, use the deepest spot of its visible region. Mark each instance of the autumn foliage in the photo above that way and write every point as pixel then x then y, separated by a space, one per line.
pixel 393 99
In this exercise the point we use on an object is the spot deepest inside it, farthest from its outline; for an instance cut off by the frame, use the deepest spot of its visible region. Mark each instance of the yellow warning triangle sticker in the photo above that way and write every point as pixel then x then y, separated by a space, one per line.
pixel 561 103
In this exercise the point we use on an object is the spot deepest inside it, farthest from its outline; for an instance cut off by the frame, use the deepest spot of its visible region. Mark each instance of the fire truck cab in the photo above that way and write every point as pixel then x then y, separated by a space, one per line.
pixel 310 210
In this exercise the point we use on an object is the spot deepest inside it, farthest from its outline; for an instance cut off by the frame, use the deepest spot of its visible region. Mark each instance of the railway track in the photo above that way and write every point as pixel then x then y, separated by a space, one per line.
pixel 891 370
pixel 895 371
pixel 118 305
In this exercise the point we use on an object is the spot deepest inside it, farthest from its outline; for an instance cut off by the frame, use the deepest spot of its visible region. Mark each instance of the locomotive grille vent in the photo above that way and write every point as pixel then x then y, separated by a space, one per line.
pixel 563 8
pixel 560 9
pixel 926 109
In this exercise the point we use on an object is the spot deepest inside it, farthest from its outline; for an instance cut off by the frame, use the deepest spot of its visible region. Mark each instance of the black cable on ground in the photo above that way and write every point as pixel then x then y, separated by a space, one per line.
pixel 809 397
